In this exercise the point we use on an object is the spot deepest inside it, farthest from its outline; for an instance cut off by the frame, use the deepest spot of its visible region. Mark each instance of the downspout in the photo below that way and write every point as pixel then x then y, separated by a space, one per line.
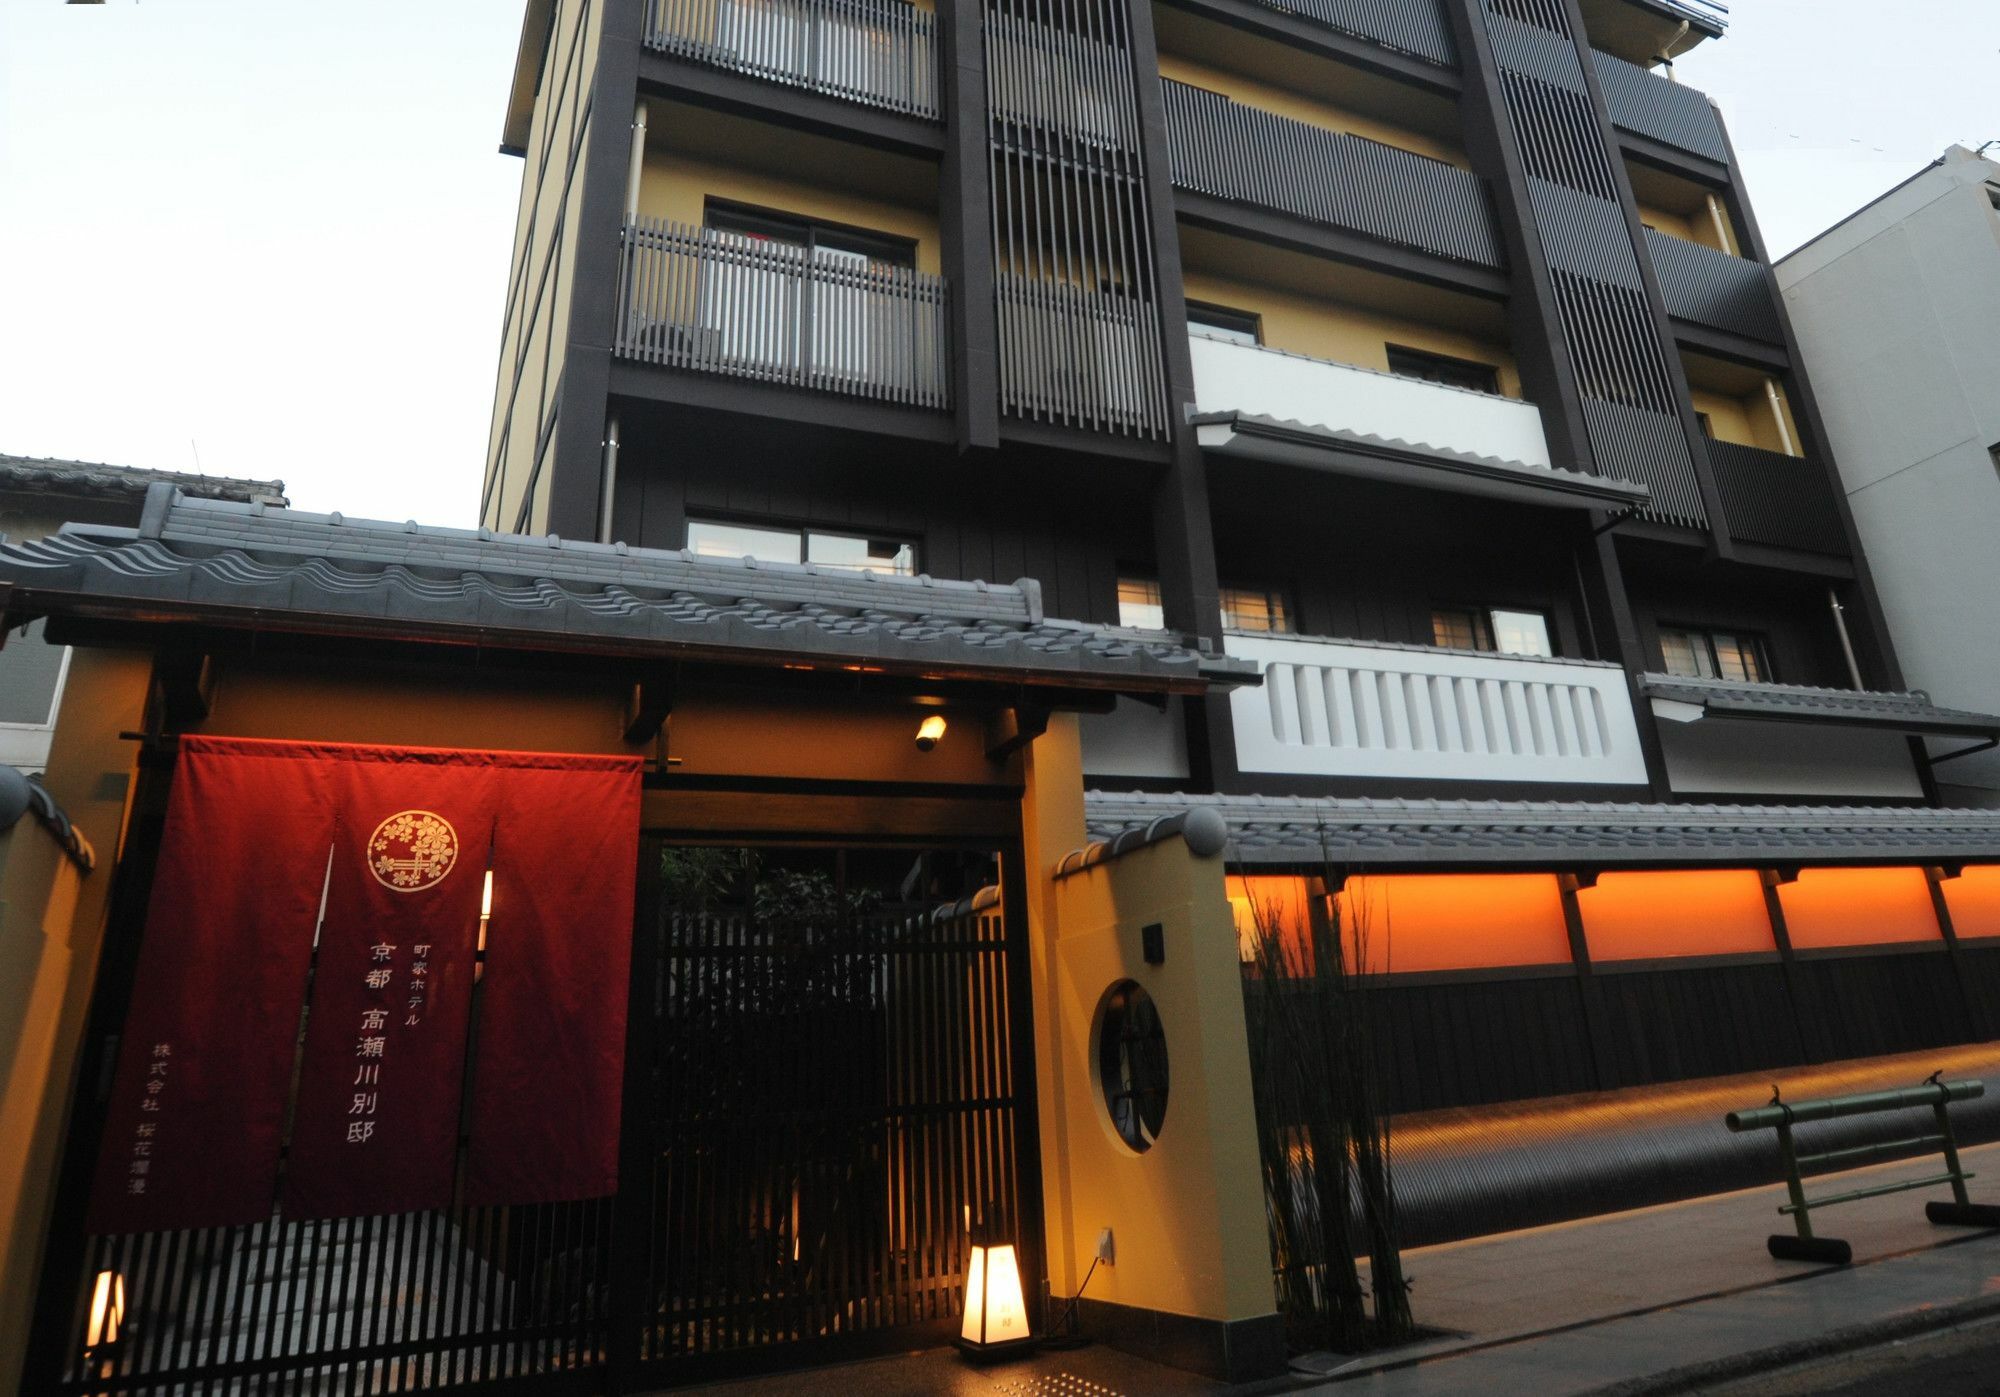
pixel 610 489
pixel 1777 406
pixel 638 165
pixel 1667 49
pixel 1846 641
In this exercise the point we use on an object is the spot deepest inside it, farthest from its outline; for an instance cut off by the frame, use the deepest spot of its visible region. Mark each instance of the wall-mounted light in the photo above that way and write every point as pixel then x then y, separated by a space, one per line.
pixel 929 731
pixel 996 1311
pixel 107 1310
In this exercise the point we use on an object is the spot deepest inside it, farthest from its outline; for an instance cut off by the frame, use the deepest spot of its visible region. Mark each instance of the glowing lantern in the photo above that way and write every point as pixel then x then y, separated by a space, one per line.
pixel 107 1310
pixel 996 1312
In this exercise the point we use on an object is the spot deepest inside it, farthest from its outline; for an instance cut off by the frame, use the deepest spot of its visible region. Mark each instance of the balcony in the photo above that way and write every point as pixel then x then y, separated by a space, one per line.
pixel 1646 104
pixel 880 53
pixel 1414 27
pixel 1237 152
pixel 1268 405
pixel 1777 500
pixel 1714 289
pixel 1341 708
pixel 703 301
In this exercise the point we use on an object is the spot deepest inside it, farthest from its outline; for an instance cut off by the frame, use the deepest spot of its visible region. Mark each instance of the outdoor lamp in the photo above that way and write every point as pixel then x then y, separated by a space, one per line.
pixel 929 731
pixel 996 1312
pixel 107 1310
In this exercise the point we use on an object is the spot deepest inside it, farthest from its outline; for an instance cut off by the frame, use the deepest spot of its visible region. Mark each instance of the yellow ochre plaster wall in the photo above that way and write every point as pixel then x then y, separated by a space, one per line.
pixel 1187 1216
pixel 51 930
pixel 1343 333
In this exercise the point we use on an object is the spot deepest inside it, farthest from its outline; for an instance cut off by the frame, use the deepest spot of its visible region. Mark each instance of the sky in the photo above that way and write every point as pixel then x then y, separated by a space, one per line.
pixel 269 237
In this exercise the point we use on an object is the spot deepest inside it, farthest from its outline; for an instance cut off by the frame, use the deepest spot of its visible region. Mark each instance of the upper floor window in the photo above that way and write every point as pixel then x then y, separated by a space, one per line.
pixel 1502 630
pixel 1705 654
pixel 1255 609
pixel 829 243
pixel 1442 368
pixel 1243 608
pixel 1222 323
pixel 851 552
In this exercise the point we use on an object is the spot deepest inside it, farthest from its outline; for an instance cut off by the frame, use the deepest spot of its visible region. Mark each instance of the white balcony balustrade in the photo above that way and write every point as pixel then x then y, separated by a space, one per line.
pixel 1347 708
pixel 1254 381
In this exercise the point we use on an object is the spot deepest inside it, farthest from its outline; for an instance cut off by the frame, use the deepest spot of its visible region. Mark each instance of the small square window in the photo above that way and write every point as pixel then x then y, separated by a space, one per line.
pixel 849 552
pixel 1139 604
pixel 1500 630
pixel 1468 374
pixel 1694 653
pixel 1222 323
pixel 1255 609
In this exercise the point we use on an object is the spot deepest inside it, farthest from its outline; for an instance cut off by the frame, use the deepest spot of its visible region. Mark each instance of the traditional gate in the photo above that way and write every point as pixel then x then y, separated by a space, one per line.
pixel 813 1104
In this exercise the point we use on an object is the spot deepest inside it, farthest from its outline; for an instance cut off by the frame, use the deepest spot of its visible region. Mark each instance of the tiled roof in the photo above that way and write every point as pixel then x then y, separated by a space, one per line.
pixel 94 478
pixel 249 565
pixel 1438 466
pixel 1903 712
pixel 1301 831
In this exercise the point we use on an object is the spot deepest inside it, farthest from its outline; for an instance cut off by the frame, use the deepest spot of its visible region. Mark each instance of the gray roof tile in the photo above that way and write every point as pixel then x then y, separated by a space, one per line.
pixel 1903 712
pixel 97 479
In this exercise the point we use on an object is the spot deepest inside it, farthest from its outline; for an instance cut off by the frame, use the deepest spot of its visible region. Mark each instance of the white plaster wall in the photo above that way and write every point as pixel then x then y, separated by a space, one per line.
pixel 1135 739
pixel 1718 756
pixel 1244 378
pixel 1898 315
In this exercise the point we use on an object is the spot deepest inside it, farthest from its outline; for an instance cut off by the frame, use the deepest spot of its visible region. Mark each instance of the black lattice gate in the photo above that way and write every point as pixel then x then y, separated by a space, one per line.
pixel 813 1103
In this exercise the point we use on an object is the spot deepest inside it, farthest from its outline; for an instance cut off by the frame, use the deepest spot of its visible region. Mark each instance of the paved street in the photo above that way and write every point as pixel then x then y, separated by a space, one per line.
pixel 1963 1361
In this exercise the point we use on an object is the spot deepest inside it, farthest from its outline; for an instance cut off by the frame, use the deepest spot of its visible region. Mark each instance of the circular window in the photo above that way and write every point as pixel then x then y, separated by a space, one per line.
pixel 1132 1064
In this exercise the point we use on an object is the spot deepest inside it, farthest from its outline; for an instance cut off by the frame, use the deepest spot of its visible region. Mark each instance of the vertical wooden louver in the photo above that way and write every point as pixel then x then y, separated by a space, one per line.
pixel 1630 404
pixel 1076 290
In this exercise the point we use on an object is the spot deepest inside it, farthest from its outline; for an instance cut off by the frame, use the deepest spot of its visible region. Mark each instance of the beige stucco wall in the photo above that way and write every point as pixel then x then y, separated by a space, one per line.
pixel 51 929
pixel 1314 111
pixel 1748 420
pixel 1187 1216
pixel 1342 332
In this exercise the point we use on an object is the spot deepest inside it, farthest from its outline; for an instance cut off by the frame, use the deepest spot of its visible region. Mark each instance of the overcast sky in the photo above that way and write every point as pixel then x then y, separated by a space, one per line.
pixel 269 237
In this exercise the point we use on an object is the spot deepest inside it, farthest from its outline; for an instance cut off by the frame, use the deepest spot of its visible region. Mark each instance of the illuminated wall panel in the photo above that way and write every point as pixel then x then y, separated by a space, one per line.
pixel 1650 916
pixel 1974 900
pixel 1858 907
pixel 1455 921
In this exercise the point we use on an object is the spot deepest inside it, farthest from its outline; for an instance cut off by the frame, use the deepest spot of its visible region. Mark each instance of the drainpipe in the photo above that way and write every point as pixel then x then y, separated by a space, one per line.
pixel 1777 406
pixel 1846 642
pixel 611 493
pixel 1667 49
pixel 638 165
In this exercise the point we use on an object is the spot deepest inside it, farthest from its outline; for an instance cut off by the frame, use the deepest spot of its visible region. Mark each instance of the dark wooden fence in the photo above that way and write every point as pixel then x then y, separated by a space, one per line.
pixel 1714 288
pixel 1647 104
pixel 1772 498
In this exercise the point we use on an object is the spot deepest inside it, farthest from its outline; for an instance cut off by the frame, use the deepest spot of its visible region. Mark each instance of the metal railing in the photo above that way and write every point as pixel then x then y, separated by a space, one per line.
pixel 1781 1116
pixel 1636 443
pixel 698 299
pixel 1057 80
pixel 1416 27
pixel 1775 499
pixel 1233 151
pixel 1080 358
pixel 882 53
pixel 1646 104
pixel 1714 288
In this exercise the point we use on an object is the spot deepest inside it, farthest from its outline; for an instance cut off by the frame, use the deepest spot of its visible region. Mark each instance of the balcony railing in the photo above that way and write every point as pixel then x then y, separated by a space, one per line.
pixel 879 52
pixel 1051 80
pixel 1249 156
pixel 1232 377
pixel 1351 708
pixel 712 302
pixel 1416 27
pixel 1646 104
pixel 1713 288
pixel 1080 358
pixel 1771 498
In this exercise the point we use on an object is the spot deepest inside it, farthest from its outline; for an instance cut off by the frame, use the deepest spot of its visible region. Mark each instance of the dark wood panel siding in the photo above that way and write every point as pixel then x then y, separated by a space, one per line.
pixel 1705 1021
pixel 1019 513
pixel 1789 612
pixel 1475 1043
pixel 1885 1004
pixel 1981 963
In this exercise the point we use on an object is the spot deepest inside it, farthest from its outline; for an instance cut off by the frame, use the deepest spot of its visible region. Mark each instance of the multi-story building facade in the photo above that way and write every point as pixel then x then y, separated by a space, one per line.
pixel 1898 308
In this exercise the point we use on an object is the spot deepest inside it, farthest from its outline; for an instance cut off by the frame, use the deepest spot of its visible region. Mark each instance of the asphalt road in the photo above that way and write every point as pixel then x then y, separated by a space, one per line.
pixel 1959 1362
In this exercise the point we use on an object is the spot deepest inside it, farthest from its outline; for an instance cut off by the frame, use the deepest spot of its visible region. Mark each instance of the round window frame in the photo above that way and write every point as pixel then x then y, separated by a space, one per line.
pixel 1113 1061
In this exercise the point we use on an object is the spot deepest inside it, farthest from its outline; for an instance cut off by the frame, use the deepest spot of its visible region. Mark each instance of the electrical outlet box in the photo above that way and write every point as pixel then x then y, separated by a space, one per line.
pixel 1107 1251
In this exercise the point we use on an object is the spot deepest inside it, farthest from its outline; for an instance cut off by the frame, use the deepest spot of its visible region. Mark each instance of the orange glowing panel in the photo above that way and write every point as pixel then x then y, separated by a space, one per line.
pixel 1858 907
pixel 1476 921
pixel 1655 916
pixel 1974 900
pixel 1268 903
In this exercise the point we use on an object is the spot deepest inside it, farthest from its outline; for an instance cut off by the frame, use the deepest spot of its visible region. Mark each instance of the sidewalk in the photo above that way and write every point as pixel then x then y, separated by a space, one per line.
pixel 1585 1305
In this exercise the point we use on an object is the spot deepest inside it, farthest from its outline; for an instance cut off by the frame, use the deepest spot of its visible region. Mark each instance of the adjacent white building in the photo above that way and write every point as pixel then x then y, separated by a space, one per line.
pixel 1897 309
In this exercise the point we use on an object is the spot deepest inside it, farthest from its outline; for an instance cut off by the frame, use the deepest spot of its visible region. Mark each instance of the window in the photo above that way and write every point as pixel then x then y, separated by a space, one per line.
pixel 1442 368
pixel 1701 654
pixel 1498 629
pixel 1255 609
pixel 1132 1064
pixel 850 552
pixel 1139 605
pixel 1243 608
pixel 1222 323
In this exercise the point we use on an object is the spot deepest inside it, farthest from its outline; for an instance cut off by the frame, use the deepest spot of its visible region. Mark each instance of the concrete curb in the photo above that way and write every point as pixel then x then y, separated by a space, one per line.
pixel 1696 1376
